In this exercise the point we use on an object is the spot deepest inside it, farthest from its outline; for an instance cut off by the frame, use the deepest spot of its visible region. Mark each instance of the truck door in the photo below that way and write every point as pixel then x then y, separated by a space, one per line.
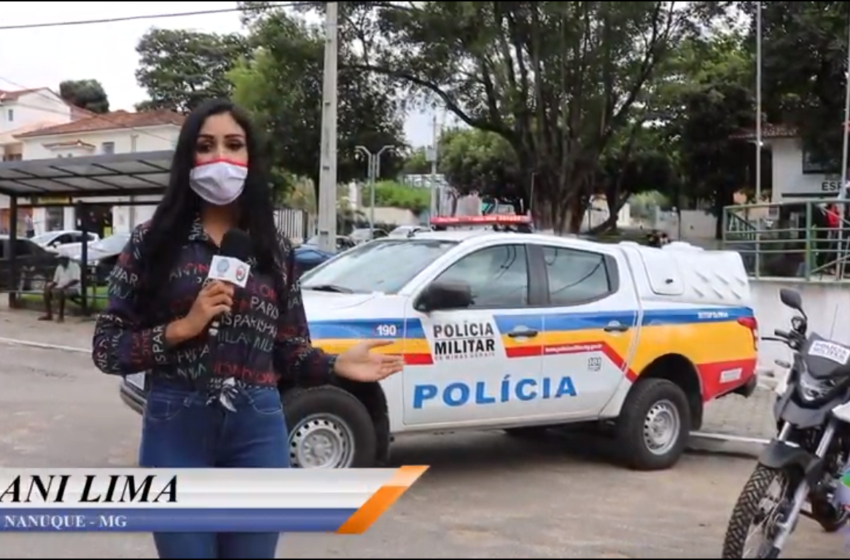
pixel 590 325
pixel 481 361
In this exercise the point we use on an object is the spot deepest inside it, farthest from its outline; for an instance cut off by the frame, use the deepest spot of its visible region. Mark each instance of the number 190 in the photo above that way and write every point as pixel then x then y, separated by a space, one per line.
pixel 386 330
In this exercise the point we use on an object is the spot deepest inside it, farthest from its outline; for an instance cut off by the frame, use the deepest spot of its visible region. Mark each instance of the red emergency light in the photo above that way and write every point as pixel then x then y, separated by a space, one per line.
pixel 485 220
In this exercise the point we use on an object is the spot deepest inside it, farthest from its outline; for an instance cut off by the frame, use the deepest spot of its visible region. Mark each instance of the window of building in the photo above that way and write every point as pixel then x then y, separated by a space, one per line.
pixel 108 147
pixel 10 115
pixel 812 166
pixel 55 217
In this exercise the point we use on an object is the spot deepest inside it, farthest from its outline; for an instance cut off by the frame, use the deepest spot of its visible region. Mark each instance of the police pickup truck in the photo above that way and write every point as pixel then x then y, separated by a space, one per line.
pixel 518 331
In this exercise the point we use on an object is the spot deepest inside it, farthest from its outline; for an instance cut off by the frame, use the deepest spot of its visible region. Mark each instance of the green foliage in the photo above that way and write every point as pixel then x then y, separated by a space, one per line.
pixel 556 80
pixel 397 195
pixel 704 113
pixel 804 61
pixel 281 84
pixel 180 68
pixel 85 94
pixel 476 161
pixel 416 163
pixel 643 205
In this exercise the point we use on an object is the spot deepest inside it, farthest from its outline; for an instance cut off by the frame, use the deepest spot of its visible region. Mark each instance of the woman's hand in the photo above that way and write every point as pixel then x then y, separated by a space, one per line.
pixel 214 299
pixel 359 364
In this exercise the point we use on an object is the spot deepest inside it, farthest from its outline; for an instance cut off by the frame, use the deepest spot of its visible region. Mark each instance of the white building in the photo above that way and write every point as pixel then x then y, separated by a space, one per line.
pixel 793 172
pixel 118 132
pixel 23 111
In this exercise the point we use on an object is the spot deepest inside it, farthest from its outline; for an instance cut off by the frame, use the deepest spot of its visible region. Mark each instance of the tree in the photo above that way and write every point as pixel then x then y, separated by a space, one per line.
pixel 635 166
pixel 416 162
pixel 85 94
pixel 180 68
pixel 282 85
pixel 556 80
pixel 703 110
pixel 804 63
pixel 478 162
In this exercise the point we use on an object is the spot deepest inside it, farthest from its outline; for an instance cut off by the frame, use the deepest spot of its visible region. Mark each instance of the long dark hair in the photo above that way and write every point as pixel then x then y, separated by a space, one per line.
pixel 172 220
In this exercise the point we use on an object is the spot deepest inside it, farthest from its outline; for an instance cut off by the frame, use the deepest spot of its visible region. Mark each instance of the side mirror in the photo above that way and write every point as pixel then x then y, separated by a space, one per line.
pixel 445 295
pixel 791 298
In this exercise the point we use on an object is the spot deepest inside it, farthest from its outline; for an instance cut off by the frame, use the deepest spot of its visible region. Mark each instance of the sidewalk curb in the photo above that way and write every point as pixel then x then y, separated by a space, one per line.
pixel 725 444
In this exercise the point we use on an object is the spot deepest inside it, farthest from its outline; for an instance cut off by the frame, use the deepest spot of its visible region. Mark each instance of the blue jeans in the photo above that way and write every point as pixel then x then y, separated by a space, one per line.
pixel 181 430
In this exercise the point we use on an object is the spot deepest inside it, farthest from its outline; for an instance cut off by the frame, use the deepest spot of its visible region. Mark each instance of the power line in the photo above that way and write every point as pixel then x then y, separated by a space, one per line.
pixel 133 18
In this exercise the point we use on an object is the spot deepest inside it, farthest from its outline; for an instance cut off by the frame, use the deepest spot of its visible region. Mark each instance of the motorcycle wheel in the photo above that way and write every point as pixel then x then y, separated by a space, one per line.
pixel 749 512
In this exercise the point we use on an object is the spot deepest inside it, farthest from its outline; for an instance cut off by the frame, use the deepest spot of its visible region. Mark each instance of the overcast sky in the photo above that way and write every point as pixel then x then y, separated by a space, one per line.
pixel 44 57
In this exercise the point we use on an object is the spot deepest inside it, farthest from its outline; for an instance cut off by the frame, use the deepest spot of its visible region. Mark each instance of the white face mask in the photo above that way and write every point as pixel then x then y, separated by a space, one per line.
pixel 218 182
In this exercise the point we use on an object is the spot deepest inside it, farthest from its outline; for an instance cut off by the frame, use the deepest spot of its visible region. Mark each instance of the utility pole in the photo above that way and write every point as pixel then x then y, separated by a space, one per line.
pixel 842 194
pixel 431 156
pixel 758 136
pixel 758 103
pixel 373 163
pixel 327 166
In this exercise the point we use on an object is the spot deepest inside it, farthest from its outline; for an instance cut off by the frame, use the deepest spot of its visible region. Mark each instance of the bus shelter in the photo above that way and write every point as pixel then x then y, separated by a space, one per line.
pixel 78 179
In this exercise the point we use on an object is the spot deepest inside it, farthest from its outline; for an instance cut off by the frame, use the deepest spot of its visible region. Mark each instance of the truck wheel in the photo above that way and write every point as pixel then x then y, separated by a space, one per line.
pixel 654 425
pixel 328 429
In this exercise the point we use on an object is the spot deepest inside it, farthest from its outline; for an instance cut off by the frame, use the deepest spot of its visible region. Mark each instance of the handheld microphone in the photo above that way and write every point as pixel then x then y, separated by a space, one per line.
pixel 231 265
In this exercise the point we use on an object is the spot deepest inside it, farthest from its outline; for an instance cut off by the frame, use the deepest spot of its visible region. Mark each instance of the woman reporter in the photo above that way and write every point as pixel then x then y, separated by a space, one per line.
pixel 213 400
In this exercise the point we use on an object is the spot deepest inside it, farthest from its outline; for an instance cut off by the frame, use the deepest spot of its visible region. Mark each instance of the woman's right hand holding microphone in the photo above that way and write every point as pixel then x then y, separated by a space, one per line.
pixel 214 299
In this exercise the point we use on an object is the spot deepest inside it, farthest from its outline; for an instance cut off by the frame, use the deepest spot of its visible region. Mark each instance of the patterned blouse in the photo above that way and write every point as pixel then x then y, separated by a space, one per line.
pixel 265 336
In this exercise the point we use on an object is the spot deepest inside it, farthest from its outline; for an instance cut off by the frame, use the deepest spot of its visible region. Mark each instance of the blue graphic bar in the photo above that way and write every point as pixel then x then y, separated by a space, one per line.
pixel 172 520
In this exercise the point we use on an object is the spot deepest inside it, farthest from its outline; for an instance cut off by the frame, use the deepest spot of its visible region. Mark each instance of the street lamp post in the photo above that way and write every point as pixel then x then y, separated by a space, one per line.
pixel 373 166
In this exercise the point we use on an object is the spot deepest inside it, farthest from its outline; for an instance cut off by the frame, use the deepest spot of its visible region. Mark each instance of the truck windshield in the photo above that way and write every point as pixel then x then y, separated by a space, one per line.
pixel 384 265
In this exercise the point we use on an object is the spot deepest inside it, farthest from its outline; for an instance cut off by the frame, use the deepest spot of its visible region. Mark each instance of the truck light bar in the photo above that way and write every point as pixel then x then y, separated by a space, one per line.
pixel 485 220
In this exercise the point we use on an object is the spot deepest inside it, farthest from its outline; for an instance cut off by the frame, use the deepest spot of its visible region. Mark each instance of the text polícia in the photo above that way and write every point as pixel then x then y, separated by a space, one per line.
pixel 459 393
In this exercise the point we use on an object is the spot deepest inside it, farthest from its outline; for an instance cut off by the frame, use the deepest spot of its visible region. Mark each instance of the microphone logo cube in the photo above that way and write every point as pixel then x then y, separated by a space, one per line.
pixel 229 269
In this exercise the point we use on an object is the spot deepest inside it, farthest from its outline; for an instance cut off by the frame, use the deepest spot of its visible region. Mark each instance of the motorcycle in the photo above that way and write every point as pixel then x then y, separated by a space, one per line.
pixel 804 463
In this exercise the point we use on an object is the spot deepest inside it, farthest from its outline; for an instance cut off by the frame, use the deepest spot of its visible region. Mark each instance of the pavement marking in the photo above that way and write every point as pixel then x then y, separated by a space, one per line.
pixel 43 345
pixel 730 437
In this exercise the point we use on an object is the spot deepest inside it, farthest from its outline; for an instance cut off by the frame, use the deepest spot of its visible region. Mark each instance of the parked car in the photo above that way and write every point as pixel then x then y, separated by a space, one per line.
pixel 343 242
pixel 362 235
pixel 35 264
pixel 520 332
pixel 308 257
pixel 62 238
pixel 102 255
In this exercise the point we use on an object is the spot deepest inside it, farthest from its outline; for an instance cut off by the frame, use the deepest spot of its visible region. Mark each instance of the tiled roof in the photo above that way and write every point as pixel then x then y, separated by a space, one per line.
pixel 11 135
pixel 14 95
pixel 768 131
pixel 110 121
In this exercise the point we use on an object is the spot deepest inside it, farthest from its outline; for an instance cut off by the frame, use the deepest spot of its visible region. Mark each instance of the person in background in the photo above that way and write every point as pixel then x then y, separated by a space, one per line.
pixel 29 226
pixel 213 401
pixel 653 239
pixel 66 282
pixel 833 221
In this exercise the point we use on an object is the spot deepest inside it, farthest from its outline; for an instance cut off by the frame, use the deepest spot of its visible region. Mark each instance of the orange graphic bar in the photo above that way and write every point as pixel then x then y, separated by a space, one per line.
pixel 380 502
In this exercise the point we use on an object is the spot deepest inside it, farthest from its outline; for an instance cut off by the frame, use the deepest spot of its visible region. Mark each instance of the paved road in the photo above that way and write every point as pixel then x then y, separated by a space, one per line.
pixel 486 495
